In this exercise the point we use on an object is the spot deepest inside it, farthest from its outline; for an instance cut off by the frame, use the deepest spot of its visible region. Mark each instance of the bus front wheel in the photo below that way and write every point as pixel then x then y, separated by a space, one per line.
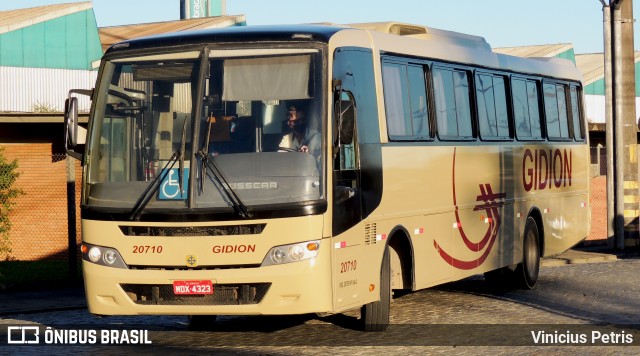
pixel 375 315
pixel 527 271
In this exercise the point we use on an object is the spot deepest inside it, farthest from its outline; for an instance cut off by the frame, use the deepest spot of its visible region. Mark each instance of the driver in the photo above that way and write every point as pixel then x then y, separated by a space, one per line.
pixel 299 137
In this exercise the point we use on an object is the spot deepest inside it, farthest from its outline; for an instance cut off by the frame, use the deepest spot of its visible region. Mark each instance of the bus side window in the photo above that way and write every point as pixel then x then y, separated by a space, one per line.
pixel 405 98
pixel 576 114
pixel 453 104
pixel 555 103
pixel 525 108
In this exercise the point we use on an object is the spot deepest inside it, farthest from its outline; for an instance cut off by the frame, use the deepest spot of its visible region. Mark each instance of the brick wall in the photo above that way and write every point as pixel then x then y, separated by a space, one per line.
pixel 39 217
pixel 598 203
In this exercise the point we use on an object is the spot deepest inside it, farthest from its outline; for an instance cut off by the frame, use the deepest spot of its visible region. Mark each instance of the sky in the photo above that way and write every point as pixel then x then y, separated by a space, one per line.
pixel 502 23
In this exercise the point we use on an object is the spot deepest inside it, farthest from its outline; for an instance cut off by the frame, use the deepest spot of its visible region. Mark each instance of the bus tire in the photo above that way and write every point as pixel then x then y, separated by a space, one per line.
pixel 527 270
pixel 375 315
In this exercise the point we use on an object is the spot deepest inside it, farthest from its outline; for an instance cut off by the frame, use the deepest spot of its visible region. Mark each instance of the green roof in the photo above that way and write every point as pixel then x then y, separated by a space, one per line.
pixel 55 36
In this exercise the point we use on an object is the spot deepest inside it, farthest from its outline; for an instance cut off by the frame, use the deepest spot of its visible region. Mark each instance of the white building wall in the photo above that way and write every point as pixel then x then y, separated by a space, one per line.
pixel 594 106
pixel 24 89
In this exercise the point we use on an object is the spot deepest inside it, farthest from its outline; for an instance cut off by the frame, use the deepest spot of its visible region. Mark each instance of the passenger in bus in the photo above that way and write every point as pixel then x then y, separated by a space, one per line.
pixel 298 135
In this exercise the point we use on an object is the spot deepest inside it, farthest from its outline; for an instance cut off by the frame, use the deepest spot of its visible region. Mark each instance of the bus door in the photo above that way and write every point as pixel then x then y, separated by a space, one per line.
pixel 347 203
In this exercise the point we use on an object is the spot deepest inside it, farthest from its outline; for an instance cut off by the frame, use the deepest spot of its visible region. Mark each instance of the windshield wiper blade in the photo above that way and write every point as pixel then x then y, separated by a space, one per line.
pixel 145 198
pixel 237 204
pixel 178 156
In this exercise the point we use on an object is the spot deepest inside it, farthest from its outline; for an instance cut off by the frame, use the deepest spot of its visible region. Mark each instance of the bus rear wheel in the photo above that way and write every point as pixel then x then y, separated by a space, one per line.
pixel 375 315
pixel 527 271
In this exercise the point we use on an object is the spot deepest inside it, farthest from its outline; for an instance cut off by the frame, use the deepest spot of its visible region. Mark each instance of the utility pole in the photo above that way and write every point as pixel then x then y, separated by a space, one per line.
pixel 625 125
pixel 608 114
pixel 621 127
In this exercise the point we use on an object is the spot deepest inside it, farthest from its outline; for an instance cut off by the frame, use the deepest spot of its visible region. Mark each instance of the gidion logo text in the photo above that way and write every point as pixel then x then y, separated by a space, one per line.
pixel 546 169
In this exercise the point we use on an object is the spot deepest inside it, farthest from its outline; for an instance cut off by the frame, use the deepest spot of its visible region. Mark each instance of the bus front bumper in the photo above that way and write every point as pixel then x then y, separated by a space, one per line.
pixel 292 288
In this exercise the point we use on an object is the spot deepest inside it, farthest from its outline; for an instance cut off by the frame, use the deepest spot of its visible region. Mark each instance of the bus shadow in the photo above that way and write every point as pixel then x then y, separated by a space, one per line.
pixel 479 285
pixel 344 321
pixel 259 324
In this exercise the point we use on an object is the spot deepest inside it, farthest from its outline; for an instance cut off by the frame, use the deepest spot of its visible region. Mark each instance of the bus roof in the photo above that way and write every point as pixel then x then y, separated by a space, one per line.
pixel 308 33
pixel 395 37
pixel 432 43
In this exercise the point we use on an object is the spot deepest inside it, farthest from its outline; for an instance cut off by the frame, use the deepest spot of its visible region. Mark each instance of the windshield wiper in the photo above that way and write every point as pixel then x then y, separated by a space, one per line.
pixel 238 205
pixel 177 156
pixel 145 198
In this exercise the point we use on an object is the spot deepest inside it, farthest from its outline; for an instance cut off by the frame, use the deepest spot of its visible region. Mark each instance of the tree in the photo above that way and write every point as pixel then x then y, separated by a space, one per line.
pixel 8 195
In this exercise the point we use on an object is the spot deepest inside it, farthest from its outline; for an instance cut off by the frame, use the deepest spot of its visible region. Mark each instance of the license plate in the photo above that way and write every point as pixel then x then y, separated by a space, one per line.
pixel 192 287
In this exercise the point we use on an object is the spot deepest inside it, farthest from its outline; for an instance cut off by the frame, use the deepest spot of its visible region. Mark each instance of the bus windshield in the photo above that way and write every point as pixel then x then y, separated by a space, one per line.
pixel 239 127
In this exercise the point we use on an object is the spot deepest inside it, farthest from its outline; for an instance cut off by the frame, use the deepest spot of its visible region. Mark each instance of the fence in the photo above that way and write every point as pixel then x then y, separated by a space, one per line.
pixel 37 248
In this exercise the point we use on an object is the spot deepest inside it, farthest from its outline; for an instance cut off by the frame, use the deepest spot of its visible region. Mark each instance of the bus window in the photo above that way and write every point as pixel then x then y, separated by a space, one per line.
pixel 453 110
pixel 395 98
pixel 526 110
pixel 493 117
pixel 575 114
pixel 418 100
pixel 555 104
pixel 405 99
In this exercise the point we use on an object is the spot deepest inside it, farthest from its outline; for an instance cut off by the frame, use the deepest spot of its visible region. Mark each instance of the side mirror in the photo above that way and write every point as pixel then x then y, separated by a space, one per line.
pixel 73 147
pixel 71 122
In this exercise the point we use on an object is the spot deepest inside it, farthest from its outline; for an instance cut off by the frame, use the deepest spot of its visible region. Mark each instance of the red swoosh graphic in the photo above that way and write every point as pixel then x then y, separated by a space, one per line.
pixel 492 230
pixel 473 246
pixel 467 265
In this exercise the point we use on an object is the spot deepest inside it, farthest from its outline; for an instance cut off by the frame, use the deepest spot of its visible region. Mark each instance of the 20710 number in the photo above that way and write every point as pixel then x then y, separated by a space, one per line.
pixel 147 249
pixel 348 266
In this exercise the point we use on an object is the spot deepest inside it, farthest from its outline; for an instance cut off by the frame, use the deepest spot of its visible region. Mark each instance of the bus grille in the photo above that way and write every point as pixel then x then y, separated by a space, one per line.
pixel 223 294
pixel 249 229
pixel 184 268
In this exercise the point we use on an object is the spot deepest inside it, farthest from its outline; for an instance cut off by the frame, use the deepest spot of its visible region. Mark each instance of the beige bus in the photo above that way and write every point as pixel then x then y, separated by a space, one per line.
pixel 317 168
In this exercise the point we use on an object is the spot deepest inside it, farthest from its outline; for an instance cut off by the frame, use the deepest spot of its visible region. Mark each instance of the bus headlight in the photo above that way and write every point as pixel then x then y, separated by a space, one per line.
pixel 277 256
pixel 103 256
pixel 291 253
pixel 296 252
pixel 110 257
pixel 95 254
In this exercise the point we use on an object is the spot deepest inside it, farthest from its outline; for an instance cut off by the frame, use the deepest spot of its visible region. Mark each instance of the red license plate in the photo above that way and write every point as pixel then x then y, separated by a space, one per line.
pixel 192 287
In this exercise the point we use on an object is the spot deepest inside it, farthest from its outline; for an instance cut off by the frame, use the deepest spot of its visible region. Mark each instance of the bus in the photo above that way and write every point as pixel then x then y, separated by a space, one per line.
pixel 434 159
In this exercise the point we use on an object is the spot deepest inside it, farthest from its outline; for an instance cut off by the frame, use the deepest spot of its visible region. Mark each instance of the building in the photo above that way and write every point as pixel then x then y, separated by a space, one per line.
pixel 592 68
pixel 44 52
pixel 115 34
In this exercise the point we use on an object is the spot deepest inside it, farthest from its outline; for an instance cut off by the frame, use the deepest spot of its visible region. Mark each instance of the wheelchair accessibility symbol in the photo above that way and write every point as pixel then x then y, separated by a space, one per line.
pixel 170 187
